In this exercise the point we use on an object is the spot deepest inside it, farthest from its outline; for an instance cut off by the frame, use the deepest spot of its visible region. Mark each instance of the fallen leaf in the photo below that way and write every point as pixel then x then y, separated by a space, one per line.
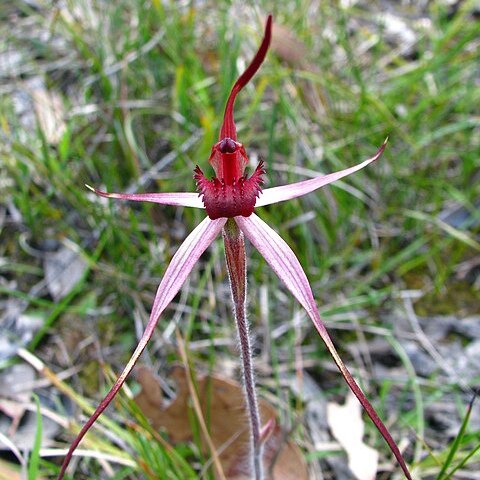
pixel 288 47
pixel 294 52
pixel 50 112
pixel 222 403
pixel 63 270
pixel 24 436
pixel 14 396
pixel 347 427
pixel 17 328
pixel 9 471
pixel 18 421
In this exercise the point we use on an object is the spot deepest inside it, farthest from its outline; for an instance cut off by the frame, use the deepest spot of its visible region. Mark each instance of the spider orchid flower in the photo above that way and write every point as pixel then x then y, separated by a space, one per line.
pixel 229 200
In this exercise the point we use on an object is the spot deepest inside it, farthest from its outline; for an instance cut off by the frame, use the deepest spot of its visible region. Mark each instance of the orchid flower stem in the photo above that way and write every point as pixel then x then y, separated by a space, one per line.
pixel 236 264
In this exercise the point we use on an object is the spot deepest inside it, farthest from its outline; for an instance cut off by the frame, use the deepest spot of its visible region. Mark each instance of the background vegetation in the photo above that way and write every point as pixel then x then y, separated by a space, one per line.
pixel 135 91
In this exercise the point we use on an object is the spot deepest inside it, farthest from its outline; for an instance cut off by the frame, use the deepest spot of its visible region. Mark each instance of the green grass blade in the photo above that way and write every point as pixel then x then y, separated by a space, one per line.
pixel 456 445
pixel 34 460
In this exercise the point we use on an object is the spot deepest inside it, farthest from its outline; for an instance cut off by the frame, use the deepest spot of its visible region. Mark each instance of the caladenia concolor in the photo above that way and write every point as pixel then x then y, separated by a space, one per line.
pixel 229 200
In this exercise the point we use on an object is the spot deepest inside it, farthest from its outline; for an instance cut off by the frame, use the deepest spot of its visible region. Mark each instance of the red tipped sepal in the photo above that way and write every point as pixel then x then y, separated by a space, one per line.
pixel 228 200
pixel 228 128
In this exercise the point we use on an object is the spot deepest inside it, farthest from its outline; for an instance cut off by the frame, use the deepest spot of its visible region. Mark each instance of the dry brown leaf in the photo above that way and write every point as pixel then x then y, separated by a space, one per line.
pixel 288 47
pixel 50 112
pixel 9 471
pixel 293 51
pixel 346 424
pixel 222 404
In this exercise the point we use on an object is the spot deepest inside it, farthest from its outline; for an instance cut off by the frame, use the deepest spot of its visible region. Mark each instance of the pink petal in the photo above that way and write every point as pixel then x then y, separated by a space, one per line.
pixel 294 190
pixel 177 272
pixel 181 199
pixel 286 265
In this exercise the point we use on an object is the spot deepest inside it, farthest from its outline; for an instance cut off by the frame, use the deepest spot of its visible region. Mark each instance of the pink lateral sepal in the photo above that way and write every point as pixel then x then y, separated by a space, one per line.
pixel 175 275
pixel 180 199
pixel 298 189
pixel 285 264
pixel 233 199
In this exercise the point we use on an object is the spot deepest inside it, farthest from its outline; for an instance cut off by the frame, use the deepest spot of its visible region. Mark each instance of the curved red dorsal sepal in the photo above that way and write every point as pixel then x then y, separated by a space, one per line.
pixel 228 129
pixel 228 200
pixel 231 193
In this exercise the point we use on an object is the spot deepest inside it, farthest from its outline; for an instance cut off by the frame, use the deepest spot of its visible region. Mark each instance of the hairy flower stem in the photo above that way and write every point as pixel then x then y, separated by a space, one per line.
pixel 236 264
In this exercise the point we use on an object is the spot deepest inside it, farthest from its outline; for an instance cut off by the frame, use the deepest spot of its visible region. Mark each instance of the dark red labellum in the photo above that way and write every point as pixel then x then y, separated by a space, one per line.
pixel 228 200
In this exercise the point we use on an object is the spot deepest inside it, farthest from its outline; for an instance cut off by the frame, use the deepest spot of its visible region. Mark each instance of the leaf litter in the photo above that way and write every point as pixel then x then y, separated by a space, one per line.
pixel 347 426
pixel 222 402
pixel 17 412
pixel 63 270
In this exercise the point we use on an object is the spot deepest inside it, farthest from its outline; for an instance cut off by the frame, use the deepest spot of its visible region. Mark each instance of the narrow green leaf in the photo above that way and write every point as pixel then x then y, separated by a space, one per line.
pixel 34 459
